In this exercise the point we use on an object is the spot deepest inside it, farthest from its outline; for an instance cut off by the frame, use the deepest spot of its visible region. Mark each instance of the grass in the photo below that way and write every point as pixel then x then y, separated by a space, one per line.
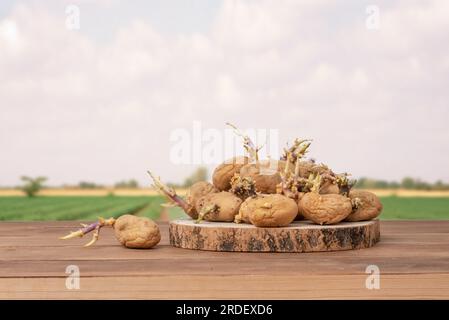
pixel 77 208
pixel 415 208
pixel 90 207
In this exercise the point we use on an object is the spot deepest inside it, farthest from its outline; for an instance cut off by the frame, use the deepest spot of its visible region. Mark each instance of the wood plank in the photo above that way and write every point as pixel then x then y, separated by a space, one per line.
pixel 224 266
pixel 227 287
pixel 413 258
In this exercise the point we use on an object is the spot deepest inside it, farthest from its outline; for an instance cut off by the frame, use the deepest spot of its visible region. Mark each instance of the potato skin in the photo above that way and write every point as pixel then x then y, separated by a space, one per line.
pixel 195 193
pixel 325 208
pixel 227 204
pixel 329 188
pixel 271 210
pixel 221 178
pixel 136 232
pixel 265 175
pixel 308 167
pixel 370 206
pixel 245 208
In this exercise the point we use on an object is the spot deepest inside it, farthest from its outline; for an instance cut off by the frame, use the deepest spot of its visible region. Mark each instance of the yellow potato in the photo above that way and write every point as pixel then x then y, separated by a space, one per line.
pixel 368 206
pixel 325 208
pixel 223 174
pixel 265 175
pixel 195 193
pixel 245 208
pixel 329 188
pixel 136 232
pixel 269 210
pixel 221 206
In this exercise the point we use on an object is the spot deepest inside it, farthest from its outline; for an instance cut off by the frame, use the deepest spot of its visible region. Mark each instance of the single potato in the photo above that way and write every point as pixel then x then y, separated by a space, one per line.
pixel 195 193
pixel 270 210
pixel 223 174
pixel 136 232
pixel 265 175
pixel 221 206
pixel 329 188
pixel 368 206
pixel 325 208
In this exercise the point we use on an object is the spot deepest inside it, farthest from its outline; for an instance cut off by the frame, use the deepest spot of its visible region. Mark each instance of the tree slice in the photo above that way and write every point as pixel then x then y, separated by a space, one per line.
pixel 300 236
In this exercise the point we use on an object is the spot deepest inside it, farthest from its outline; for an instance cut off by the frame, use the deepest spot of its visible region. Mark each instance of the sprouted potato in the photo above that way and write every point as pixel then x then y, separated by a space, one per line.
pixel 195 193
pixel 265 175
pixel 269 210
pixel 222 176
pixel 130 231
pixel 329 188
pixel 324 208
pixel 205 203
pixel 222 206
pixel 366 206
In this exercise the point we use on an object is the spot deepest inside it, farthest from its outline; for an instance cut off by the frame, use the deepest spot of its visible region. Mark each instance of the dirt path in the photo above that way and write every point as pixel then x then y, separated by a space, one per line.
pixel 164 216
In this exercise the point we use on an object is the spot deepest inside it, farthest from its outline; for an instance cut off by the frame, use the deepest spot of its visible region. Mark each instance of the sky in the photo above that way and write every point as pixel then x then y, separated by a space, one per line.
pixel 101 93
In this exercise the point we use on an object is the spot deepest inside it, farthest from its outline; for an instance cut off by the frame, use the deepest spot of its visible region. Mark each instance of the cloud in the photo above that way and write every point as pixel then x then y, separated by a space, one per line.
pixel 375 101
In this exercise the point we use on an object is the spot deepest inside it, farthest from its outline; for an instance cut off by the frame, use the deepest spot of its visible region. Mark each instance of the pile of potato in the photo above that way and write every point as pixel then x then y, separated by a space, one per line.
pixel 246 189
pixel 274 193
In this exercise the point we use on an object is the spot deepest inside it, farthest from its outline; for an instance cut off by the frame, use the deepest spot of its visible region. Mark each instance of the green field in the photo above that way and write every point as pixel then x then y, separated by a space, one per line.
pixel 415 208
pixel 90 207
pixel 77 208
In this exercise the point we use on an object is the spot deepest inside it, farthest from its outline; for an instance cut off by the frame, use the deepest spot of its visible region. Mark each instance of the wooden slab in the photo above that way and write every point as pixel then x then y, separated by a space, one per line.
pixel 300 236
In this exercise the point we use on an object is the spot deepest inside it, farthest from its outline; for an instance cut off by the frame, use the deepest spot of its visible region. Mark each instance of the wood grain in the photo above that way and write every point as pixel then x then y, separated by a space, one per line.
pixel 299 236
pixel 413 258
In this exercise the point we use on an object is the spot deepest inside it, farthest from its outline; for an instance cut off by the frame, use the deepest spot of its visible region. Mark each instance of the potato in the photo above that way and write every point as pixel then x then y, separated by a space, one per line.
pixel 245 208
pixel 265 175
pixel 368 206
pixel 329 188
pixel 223 174
pixel 136 232
pixel 325 208
pixel 269 210
pixel 306 168
pixel 195 193
pixel 221 206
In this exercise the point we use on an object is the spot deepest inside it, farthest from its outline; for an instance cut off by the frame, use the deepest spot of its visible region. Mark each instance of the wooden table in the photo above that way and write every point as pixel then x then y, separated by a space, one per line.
pixel 413 258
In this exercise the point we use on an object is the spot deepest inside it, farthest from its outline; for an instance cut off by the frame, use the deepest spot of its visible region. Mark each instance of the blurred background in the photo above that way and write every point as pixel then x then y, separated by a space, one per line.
pixel 92 92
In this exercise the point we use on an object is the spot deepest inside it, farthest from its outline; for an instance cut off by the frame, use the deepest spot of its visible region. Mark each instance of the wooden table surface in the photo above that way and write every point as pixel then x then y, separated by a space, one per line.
pixel 412 256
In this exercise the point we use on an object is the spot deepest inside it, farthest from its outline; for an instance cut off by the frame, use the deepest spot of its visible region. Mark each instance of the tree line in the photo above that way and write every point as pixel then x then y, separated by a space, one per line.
pixel 32 185
pixel 406 183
